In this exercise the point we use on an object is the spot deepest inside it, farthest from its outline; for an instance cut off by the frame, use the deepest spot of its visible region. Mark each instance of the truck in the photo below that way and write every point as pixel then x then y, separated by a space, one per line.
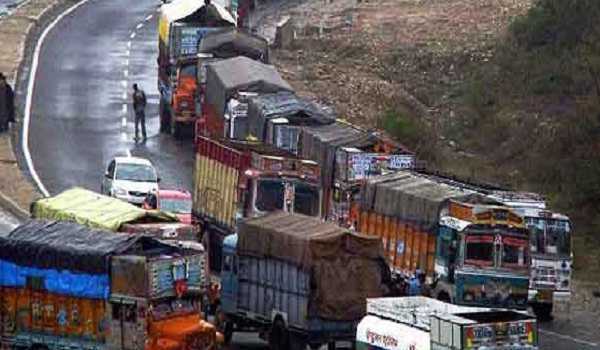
pixel 421 323
pixel 181 26
pixel 226 79
pixel 223 44
pixel 550 249
pixel 471 249
pixel 348 155
pixel 102 212
pixel 298 280
pixel 67 286
pixel 240 179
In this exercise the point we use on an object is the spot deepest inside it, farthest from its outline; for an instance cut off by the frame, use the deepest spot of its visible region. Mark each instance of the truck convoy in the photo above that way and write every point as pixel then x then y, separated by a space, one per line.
pixel 66 286
pixel 240 179
pixel 419 323
pixel 473 249
pixel 182 25
pixel 107 213
pixel 298 280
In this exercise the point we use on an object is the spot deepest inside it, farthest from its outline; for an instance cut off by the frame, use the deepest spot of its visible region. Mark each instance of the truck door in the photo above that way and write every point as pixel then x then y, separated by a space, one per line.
pixel 125 331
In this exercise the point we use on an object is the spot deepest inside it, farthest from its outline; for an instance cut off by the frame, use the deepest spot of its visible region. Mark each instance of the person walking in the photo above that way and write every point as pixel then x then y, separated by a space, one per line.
pixel 139 105
pixel 7 104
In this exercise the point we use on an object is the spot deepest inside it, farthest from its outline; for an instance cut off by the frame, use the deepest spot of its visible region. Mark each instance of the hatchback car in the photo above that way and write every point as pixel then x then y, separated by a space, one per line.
pixel 130 179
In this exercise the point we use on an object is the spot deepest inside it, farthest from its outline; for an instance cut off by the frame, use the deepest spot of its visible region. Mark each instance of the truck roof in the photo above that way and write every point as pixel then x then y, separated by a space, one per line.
pixel 230 42
pixel 62 245
pixel 417 312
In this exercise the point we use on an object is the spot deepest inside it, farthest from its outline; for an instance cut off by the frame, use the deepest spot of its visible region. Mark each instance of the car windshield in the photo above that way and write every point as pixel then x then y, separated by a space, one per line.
pixel 549 236
pixel 176 205
pixel 135 172
pixel 479 250
pixel 269 196
pixel 306 200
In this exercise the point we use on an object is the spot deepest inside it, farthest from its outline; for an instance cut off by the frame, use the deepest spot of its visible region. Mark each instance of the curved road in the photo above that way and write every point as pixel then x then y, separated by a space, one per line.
pixel 81 118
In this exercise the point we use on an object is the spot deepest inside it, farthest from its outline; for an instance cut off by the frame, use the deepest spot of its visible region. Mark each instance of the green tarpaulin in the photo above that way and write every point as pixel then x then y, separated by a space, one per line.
pixel 94 210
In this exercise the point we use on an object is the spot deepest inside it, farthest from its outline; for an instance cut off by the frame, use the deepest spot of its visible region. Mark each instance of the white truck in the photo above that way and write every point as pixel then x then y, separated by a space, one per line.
pixel 420 323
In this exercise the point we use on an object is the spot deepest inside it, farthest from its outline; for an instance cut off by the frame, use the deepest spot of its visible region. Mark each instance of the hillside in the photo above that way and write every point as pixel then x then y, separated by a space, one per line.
pixel 505 91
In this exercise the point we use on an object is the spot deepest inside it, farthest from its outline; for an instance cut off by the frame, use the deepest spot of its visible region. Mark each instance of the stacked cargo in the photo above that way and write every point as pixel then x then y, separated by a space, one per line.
pixel 310 278
pixel 63 285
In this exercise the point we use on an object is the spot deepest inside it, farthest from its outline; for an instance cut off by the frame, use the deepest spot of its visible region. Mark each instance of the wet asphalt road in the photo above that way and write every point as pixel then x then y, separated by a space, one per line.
pixel 86 68
pixel 87 65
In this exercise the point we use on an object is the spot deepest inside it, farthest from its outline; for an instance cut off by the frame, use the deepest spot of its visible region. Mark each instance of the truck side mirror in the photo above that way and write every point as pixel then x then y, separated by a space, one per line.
pixel 106 174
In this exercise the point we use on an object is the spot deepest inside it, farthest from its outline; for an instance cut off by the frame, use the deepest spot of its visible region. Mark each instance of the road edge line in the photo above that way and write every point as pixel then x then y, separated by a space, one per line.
pixel 28 101
pixel 568 337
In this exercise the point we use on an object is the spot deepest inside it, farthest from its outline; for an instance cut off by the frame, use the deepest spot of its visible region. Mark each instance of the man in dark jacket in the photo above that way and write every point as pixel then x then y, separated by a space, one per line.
pixel 7 104
pixel 139 104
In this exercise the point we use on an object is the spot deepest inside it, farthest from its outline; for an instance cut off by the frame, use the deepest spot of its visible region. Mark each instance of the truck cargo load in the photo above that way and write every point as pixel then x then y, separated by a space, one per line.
pixel 230 42
pixel 227 77
pixel 277 118
pixel 66 285
pixel 99 211
pixel 425 222
pixel 421 323
pixel 238 179
pixel 311 275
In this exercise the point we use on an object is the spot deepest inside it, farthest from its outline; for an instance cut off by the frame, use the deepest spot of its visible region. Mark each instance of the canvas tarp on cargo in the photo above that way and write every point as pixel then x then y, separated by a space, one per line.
pixel 409 196
pixel 94 210
pixel 346 268
pixel 229 42
pixel 298 111
pixel 320 144
pixel 63 245
pixel 223 78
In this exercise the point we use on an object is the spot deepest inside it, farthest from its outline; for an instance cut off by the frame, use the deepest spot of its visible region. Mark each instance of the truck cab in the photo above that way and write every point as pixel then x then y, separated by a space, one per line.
pixel 183 104
pixel 482 256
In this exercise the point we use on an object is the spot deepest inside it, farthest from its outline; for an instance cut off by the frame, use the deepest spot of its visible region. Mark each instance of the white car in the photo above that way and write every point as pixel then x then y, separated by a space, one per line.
pixel 130 179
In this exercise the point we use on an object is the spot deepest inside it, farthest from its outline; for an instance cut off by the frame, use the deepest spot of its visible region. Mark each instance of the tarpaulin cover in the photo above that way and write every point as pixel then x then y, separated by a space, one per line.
pixel 409 196
pixel 229 42
pixel 297 110
pixel 320 143
pixel 346 267
pixel 63 282
pixel 224 78
pixel 94 210
pixel 67 246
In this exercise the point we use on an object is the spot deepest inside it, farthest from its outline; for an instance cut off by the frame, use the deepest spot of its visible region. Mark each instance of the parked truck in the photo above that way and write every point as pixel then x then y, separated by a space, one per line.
pixel 420 323
pixel 240 179
pixel 67 286
pixel 226 79
pixel 102 212
pixel 298 280
pixel 181 26
pixel 348 155
pixel 474 250
pixel 550 249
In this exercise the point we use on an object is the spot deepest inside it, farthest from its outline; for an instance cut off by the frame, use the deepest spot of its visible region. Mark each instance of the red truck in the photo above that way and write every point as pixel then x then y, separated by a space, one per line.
pixel 238 179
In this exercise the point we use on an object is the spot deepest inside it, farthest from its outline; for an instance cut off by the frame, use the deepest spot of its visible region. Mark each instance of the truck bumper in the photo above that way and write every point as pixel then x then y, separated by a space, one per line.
pixel 548 296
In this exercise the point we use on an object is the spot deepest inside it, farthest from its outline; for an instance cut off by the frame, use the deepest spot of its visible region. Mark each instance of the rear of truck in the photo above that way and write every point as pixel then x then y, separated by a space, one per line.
pixel 299 280
pixel 423 323
pixel 236 179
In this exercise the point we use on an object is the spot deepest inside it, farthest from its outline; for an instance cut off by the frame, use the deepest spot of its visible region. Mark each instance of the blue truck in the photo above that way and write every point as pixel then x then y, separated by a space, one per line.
pixel 298 281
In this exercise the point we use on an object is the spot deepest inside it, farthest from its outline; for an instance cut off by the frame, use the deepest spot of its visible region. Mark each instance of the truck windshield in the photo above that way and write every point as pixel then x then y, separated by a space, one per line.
pixel 189 70
pixel 306 200
pixel 269 196
pixel 549 236
pixel 514 253
pixel 176 205
pixel 479 250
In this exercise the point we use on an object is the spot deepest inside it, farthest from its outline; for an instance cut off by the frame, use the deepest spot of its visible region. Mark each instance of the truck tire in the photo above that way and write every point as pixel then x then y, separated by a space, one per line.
pixel 279 337
pixel 297 342
pixel 165 118
pixel 543 311
pixel 331 345
pixel 178 130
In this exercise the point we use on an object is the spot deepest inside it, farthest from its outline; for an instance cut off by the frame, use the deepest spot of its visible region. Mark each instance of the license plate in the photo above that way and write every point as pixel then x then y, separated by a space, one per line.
pixel 544 295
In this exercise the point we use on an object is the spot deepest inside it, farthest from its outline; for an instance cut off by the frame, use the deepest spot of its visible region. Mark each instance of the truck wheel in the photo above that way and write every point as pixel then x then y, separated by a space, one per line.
pixel 228 332
pixel 331 345
pixel 165 118
pixel 542 311
pixel 178 130
pixel 297 342
pixel 278 336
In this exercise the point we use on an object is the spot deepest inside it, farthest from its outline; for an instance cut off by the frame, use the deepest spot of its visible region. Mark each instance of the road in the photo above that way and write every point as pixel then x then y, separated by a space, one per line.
pixel 81 118
pixel 7 222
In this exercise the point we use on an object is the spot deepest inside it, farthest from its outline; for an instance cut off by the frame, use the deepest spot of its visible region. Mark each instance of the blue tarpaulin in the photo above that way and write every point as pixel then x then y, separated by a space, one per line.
pixel 63 282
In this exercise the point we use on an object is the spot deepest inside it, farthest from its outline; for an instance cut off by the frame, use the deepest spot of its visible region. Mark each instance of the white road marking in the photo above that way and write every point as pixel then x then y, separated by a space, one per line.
pixel 125 95
pixel 148 18
pixel 127 53
pixel 129 44
pixel 124 108
pixel 127 62
pixel 132 35
pixel 125 73
pixel 28 101
pixel 124 83
pixel 567 337
pixel 123 136
pixel 128 152
pixel 139 26
pixel 124 122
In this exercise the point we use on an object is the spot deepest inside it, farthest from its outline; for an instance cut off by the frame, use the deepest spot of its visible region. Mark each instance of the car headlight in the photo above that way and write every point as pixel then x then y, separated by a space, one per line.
pixel 119 191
